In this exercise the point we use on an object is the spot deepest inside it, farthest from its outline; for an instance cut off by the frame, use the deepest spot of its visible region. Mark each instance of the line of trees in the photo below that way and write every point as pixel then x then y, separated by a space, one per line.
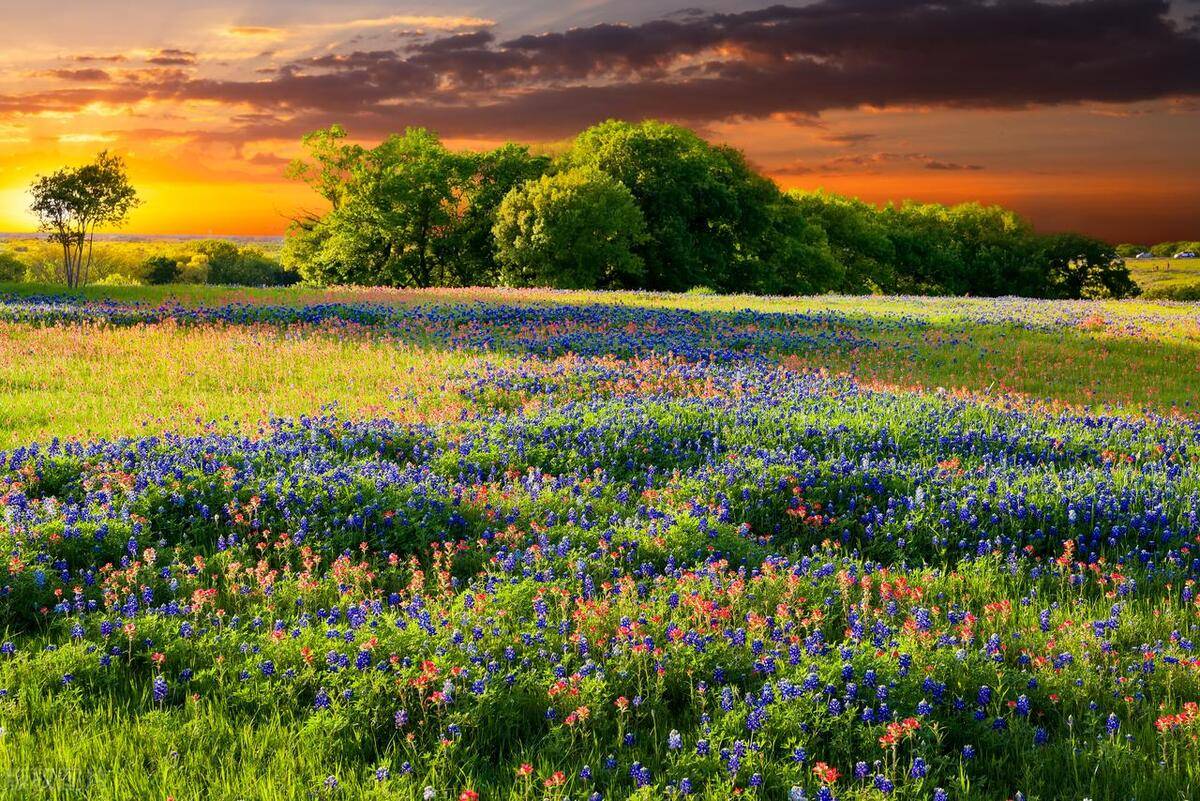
pixel 1161 250
pixel 653 206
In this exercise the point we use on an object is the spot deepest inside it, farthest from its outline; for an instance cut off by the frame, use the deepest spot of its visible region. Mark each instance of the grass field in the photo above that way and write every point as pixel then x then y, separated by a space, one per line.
pixel 479 544
pixel 119 380
pixel 1156 275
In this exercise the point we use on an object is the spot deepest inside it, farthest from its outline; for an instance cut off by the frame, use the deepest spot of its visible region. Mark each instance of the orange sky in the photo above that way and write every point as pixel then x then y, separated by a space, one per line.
pixel 206 101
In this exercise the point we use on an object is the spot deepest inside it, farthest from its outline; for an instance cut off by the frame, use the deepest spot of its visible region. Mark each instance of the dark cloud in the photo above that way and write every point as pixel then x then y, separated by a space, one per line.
pixel 459 41
pixel 934 164
pixel 848 138
pixel 870 163
pixel 267 160
pixel 111 59
pixel 172 57
pixel 784 61
pixel 90 75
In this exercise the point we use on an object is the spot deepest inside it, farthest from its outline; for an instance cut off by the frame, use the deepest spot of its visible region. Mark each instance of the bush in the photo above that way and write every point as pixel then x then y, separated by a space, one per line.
pixel 246 266
pixel 11 268
pixel 160 270
pixel 1188 292
pixel 117 279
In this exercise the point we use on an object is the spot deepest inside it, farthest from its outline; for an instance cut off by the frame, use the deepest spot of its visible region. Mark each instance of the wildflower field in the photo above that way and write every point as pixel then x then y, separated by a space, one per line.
pixel 478 544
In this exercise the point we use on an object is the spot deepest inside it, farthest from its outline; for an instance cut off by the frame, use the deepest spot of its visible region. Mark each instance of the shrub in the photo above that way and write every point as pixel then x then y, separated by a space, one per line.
pixel 11 268
pixel 1188 292
pixel 117 279
pixel 161 270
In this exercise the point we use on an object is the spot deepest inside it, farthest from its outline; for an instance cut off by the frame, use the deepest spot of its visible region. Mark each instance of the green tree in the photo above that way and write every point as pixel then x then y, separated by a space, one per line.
pixel 706 211
pixel 1080 266
pixel 11 268
pixel 995 251
pixel 857 237
pixel 574 230
pixel 230 263
pixel 160 270
pixel 390 207
pixel 795 254
pixel 468 248
pixel 71 203
pixel 329 165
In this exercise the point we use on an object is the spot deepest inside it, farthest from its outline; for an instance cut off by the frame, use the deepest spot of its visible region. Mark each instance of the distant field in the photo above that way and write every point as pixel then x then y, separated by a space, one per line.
pixel 1157 274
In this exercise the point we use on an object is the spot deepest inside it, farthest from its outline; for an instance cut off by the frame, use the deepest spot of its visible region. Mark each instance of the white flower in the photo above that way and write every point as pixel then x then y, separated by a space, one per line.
pixel 430 794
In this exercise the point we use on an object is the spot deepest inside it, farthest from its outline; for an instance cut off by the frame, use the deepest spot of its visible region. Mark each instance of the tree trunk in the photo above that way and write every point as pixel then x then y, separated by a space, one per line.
pixel 91 235
pixel 66 261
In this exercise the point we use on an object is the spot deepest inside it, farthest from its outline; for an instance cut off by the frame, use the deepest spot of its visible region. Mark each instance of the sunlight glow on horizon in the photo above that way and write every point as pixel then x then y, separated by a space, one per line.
pixel 207 102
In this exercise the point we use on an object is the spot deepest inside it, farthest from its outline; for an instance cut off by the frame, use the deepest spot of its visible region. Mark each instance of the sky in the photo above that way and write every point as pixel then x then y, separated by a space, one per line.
pixel 1081 115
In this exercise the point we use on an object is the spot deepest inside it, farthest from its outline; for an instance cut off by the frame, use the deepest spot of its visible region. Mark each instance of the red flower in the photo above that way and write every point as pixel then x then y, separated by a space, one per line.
pixel 825 773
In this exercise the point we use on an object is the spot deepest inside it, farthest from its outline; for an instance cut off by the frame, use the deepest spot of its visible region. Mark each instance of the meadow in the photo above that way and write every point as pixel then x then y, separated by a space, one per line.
pixel 489 544
pixel 1165 277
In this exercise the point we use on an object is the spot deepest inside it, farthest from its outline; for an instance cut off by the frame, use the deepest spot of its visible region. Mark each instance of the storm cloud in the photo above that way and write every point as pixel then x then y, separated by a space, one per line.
pixel 698 68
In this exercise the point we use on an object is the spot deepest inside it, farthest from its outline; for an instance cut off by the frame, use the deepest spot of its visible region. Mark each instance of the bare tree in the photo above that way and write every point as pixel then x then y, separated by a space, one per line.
pixel 72 202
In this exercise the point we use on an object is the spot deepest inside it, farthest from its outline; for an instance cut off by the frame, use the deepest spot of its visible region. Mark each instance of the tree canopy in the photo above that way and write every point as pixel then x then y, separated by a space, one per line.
pixel 576 229
pixel 651 205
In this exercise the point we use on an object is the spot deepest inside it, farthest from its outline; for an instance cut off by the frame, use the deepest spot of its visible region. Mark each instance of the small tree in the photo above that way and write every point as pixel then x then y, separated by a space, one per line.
pixel 573 230
pixel 11 268
pixel 71 204
pixel 161 270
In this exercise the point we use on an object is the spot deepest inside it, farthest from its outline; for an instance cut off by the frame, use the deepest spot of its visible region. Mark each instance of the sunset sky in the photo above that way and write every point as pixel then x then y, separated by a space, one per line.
pixel 1082 115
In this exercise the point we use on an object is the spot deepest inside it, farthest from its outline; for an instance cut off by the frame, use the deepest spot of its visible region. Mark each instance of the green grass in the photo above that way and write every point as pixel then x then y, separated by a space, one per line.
pixel 528 488
pixel 1158 275
pixel 89 382
pixel 85 382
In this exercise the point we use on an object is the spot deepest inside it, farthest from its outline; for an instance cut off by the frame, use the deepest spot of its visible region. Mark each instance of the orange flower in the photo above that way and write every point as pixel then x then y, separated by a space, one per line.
pixel 826 773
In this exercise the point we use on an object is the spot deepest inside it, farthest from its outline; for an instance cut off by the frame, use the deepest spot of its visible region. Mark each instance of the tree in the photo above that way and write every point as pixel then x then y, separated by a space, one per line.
pixel 574 230
pixel 330 163
pixel 468 249
pixel 857 237
pixel 11 268
pixel 795 254
pixel 966 249
pixel 1080 266
pixel 71 204
pixel 229 263
pixel 161 270
pixel 705 209
pixel 390 207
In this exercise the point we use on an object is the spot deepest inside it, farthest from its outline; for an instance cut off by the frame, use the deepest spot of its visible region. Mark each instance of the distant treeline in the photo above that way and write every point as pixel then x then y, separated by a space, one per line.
pixel 159 261
pixel 654 206
pixel 1163 250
